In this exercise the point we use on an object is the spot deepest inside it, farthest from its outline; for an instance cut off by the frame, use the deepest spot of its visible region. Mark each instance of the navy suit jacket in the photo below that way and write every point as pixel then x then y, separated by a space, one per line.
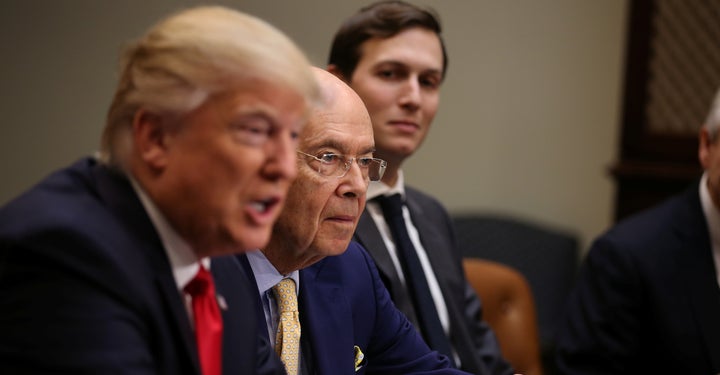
pixel 647 300
pixel 342 304
pixel 86 286
pixel 471 337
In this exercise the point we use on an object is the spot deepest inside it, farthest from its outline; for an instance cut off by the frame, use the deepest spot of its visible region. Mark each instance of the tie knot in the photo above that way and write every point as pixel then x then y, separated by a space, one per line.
pixel 286 295
pixel 391 205
pixel 199 284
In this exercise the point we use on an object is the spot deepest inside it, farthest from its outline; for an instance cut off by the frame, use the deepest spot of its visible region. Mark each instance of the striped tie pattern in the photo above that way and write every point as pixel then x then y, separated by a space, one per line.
pixel 287 341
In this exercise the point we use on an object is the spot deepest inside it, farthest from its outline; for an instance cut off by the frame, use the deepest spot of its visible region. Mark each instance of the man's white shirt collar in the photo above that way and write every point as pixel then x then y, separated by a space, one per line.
pixel 183 260
pixel 266 276
pixel 378 188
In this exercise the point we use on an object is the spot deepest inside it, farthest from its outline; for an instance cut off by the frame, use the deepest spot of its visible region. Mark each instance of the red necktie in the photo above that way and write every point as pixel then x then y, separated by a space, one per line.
pixel 208 322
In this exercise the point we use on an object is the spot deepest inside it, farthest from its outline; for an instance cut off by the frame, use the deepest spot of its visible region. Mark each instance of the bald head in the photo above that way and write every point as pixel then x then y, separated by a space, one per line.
pixel 338 99
pixel 339 109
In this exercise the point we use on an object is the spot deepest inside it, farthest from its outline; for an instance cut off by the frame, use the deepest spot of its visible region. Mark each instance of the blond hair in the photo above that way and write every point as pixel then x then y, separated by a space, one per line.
pixel 191 55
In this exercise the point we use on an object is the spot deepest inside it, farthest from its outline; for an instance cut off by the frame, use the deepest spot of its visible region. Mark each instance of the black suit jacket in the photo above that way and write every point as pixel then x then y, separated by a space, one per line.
pixel 647 300
pixel 86 286
pixel 472 338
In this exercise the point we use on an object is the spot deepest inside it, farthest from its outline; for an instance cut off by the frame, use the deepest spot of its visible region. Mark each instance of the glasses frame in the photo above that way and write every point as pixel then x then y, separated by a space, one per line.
pixel 347 164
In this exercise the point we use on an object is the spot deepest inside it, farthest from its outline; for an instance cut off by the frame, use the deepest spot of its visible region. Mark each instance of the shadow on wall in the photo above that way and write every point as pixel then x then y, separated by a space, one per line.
pixel 547 257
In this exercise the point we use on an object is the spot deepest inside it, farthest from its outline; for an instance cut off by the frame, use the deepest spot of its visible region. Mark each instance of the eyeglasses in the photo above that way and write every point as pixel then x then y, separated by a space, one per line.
pixel 337 165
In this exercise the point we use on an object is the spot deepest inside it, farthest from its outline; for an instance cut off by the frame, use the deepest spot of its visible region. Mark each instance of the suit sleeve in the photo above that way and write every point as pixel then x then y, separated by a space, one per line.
pixel 485 343
pixel 62 312
pixel 599 331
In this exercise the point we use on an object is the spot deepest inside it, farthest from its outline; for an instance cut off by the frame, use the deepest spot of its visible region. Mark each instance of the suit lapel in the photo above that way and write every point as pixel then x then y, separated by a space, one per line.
pixel 326 319
pixel 436 247
pixel 436 243
pixel 235 299
pixel 368 235
pixel 698 271
pixel 168 289
pixel 245 265
pixel 267 361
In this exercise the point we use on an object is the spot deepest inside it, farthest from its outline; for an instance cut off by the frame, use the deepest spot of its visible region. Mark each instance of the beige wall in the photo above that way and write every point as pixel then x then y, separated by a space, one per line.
pixel 528 122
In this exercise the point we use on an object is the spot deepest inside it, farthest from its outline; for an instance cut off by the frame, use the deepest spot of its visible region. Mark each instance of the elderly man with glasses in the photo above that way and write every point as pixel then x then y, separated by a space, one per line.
pixel 326 309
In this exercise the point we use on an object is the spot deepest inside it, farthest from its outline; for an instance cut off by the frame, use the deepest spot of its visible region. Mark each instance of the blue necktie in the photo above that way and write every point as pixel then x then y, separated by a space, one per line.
pixel 415 279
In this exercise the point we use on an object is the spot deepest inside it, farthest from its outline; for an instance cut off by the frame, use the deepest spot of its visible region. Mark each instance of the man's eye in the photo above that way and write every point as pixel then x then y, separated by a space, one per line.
pixel 364 162
pixel 430 82
pixel 253 132
pixel 392 74
pixel 386 73
pixel 329 158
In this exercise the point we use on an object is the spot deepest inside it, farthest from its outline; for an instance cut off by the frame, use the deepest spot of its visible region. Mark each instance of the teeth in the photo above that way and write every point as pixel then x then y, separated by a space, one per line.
pixel 259 206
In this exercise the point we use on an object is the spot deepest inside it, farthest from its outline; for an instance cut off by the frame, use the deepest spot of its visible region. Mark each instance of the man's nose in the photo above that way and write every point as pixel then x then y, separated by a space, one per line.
pixel 355 181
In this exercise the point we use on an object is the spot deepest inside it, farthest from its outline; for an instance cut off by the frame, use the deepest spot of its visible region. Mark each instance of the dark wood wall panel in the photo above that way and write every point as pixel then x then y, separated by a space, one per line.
pixel 672 72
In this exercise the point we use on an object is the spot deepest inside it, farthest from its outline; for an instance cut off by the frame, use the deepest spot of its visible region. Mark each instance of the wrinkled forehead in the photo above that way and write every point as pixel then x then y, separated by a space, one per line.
pixel 340 131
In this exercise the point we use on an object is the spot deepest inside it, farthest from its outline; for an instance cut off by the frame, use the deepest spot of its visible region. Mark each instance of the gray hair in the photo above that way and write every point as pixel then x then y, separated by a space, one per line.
pixel 191 55
pixel 712 124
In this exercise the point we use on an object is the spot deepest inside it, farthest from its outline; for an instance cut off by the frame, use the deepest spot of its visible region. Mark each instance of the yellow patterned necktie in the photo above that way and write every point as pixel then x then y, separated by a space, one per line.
pixel 287 341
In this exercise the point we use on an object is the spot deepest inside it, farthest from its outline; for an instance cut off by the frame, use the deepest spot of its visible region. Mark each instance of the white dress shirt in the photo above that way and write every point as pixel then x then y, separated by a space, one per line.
pixel 712 216
pixel 378 188
pixel 266 277
pixel 183 260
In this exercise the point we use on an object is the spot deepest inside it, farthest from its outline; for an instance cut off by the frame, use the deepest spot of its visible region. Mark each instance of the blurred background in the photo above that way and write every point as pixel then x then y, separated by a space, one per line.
pixel 528 124
pixel 557 117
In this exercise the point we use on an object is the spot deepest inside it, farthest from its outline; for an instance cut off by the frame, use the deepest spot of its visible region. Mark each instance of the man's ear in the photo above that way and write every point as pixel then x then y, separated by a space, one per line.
pixel 705 143
pixel 150 135
pixel 332 68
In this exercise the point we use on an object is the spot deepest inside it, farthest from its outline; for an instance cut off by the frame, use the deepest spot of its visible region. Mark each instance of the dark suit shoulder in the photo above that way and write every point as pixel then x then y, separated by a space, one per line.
pixel 73 271
pixel 658 227
pixel 642 293
pixel 67 219
pixel 425 200
pixel 62 197
pixel 354 270
pixel 356 253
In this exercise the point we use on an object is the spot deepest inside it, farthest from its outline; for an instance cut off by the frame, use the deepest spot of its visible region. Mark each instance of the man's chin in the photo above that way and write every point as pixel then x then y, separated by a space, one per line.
pixel 252 240
pixel 337 247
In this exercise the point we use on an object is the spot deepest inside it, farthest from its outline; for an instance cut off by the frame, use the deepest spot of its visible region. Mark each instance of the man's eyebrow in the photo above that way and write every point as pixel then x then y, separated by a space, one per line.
pixel 334 144
pixel 401 64
pixel 368 150
pixel 329 143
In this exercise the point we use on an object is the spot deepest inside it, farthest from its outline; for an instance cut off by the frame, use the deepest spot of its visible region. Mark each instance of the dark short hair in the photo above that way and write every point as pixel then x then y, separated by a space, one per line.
pixel 383 19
